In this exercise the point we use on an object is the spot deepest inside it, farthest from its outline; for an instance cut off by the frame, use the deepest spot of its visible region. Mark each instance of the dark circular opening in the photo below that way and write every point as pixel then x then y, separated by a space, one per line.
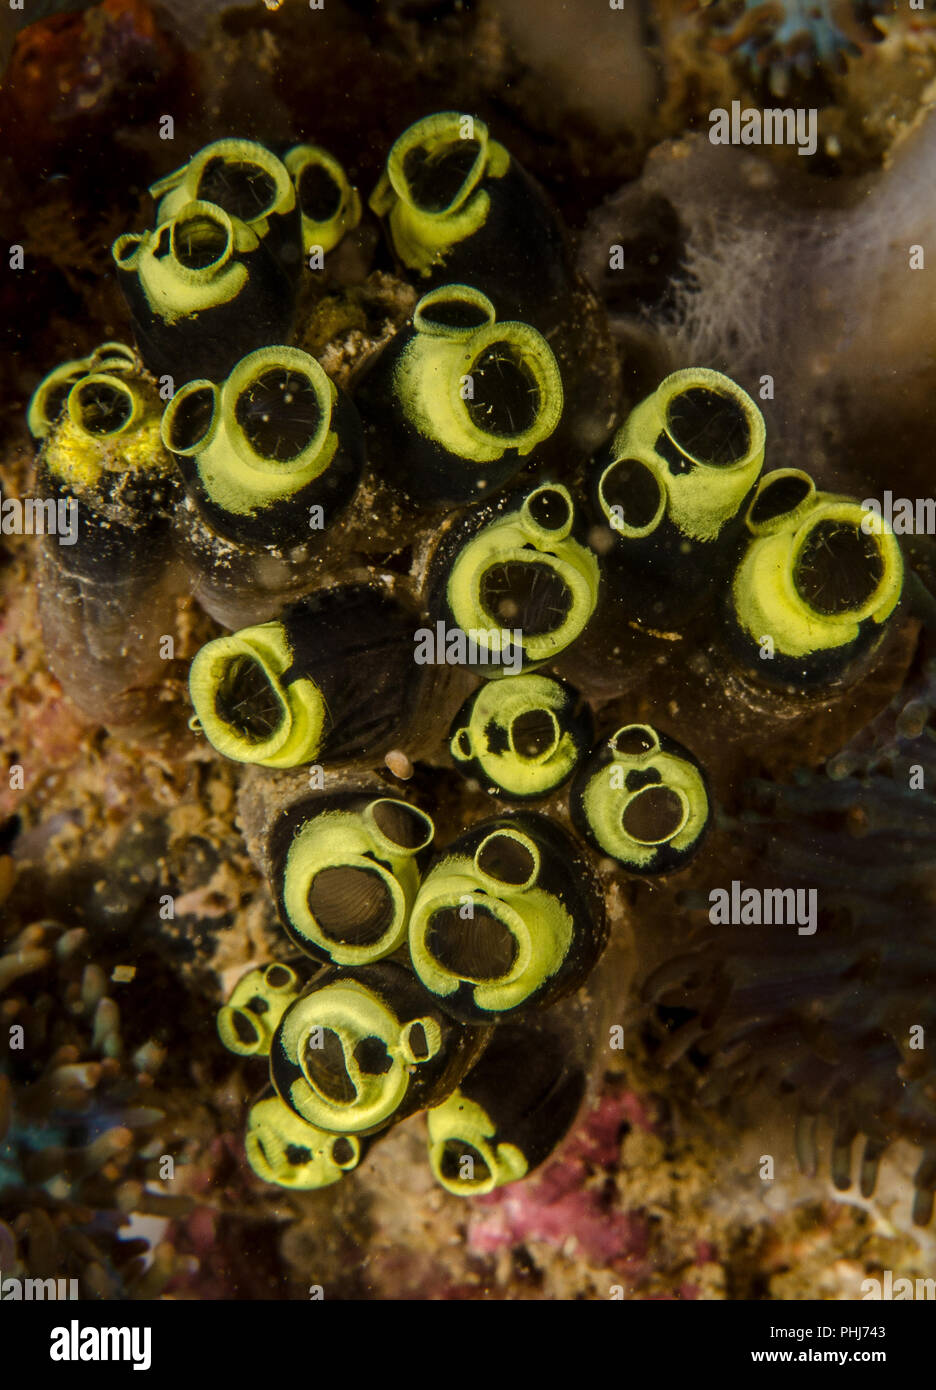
pixel 631 485
pixel 632 742
pixel 56 396
pixel 533 733
pixel 642 777
pixel 452 1164
pixel 653 815
pixel 128 249
pixel 418 1042
pixel 506 394
pixel 279 412
pixel 436 179
pixel 526 594
pixel 278 977
pixel 191 418
pixel 838 568
pixel 244 1028
pixel 401 824
pixel 199 241
pixel 708 426
pixel 103 408
pixel 241 188
pixel 464 743
pixel 776 498
pixel 326 1068
pixel 319 193
pixel 372 1056
pixel 476 948
pixel 297 1155
pixel 246 701
pixel 550 509
pixel 351 905
pixel 454 313
pixel 506 859
pixel 342 1151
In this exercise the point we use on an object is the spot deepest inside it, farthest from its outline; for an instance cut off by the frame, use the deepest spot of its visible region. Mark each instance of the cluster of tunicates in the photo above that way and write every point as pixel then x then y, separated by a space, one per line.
pixel 552 537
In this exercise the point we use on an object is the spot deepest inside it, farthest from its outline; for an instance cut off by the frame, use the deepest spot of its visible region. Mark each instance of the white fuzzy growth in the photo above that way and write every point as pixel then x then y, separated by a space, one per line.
pixel 804 278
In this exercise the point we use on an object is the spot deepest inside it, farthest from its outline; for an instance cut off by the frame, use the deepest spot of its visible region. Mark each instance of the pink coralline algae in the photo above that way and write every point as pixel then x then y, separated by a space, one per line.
pixel 568 1201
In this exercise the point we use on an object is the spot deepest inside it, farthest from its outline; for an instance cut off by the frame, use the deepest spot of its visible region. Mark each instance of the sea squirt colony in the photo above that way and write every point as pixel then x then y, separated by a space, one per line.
pixel 216 458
